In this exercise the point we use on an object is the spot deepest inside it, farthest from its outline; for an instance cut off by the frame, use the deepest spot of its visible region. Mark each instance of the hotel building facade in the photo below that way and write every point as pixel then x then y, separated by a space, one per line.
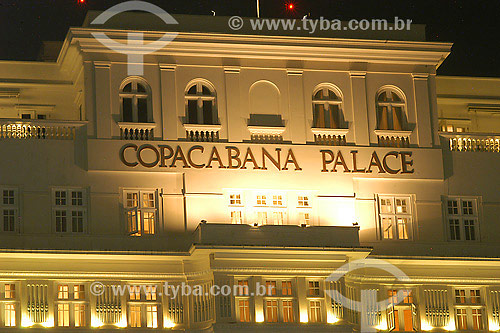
pixel 248 160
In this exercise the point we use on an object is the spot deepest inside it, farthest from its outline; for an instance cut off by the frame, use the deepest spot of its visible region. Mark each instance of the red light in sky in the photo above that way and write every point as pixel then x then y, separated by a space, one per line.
pixel 81 1
pixel 290 6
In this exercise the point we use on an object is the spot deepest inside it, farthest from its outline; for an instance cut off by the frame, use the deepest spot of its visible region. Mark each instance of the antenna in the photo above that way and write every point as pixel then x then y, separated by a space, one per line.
pixel 258 9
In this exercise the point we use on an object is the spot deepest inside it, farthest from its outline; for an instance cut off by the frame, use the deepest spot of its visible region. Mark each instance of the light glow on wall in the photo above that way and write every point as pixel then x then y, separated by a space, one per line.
pixel 494 326
pixel 96 322
pixel 331 319
pixel 26 322
pixel 425 326
pixel 450 326
pixel 168 324
pixel 381 327
pixel 122 323
pixel 48 323
pixel 259 316
pixel 304 317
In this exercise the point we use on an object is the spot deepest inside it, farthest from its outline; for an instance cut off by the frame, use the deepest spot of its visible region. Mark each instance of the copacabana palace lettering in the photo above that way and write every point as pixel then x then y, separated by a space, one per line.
pixel 199 157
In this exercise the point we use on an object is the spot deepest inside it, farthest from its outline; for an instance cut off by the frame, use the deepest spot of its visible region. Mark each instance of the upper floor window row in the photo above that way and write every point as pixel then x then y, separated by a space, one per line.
pixel 200 99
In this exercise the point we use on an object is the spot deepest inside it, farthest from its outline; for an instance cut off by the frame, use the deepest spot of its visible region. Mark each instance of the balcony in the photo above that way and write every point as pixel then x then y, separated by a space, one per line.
pixel 136 131
pixel 391 138
pixel 266 134
pixel 219 234
pixel 330 136
pixel 202 133
pixel 473 142
pixel 39 129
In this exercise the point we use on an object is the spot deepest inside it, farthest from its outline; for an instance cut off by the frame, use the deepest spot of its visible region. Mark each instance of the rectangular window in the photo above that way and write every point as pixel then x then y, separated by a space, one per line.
pixel 277 200
pixel 80 315
pixel 286 288
pixel 305 218
pixel 63 292
pixel 235 199
pixel 314 311
pixel 243 288
pixel 262 218
pixel 288 312
pixel 462 219
pixel 475 296
pixel 135 293
pixel 303 201
pixel 477 319
pixel 236 217
pixel 261 200
pixel 63 315
pixel 8 209
pixel 271 288
pixel 10 291
pixel 150 293
pixel 79 291
pixel 313 289
pixel 244 306
pixel 70 210
pixel 395 216
pixel 461 319
pixel 135 316
pixel 140 212
pixel 10 315
pixel 272 311
pixel 152 316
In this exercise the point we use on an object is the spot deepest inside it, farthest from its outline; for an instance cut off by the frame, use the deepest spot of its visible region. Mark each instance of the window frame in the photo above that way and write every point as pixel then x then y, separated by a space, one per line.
pixel 200 98
pixel 394 215
pixel 69 208
pixel 330 106
pixel 391 106
pixel 139 210
pixel 10 207
pixel 135 95
pixel 461 218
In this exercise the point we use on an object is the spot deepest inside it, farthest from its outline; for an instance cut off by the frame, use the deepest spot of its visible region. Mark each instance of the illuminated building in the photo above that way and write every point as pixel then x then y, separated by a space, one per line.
pixel 300 153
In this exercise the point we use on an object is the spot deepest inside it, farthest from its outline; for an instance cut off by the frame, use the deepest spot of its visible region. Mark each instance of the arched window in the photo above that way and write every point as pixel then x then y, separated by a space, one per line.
pixel 327 108
pixel 391 112
pixel 135 99
pixel 201 104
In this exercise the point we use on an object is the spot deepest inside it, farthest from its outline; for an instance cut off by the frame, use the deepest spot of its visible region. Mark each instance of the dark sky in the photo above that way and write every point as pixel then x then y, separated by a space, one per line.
pixel 473 25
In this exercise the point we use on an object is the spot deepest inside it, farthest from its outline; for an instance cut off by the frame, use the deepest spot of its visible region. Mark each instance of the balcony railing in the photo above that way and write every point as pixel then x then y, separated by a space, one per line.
pixel 38 129
pixel 473 142
pixel 202 133
pixel 396 139
pixel 136 131
pixel 266 134
pixel 330 136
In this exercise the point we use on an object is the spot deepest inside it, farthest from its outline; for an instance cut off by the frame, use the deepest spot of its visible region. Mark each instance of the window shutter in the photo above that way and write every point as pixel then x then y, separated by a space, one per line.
pixel 131 216
pixel 414 317
pixel 391 323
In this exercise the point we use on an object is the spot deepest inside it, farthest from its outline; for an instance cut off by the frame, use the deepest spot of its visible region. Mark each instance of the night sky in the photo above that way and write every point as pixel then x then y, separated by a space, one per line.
pixel 472 25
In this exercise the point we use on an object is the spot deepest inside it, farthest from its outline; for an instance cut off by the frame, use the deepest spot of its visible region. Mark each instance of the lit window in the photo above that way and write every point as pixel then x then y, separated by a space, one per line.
pixel 8 210
pixel 477 319
pixel 391 113
pixel 236 217
pixel 303 201
pixel 475 296
pixel 70 210
pixel 140 212
pixel 243 288
pixel 79 291
pixel 407 296
pixel 152 316
pixel 278 218
pixel 10 315
pixel 462 219
pixel 315 311
pixel 262 218
pixel 63 291
pixel 10 291
pixel 63 315
pixel 305 218
pixel 461 319
pixel 244 307
pixel 201 104
pixel 288 312
pixel 80 315
pixel 277 200
pixel 272 311
pixel 135 97
pixel 327 108
pixel 313 289
pixel 135 293
pixel 286 288
pixel 150 293
pixel 261 200
pixel 395 215
pixel 235 199
pixel 135 316
pixel 271 288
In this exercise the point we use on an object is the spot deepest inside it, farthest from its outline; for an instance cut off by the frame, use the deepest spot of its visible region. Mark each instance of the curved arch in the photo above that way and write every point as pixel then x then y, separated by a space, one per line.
pixel 327 106
pixel 136 100
pixel 264 100
pixel 200 98
pixel 391 108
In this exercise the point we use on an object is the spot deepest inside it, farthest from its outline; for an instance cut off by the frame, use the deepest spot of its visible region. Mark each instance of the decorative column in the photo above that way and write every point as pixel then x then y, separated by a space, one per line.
pixel 103 99
pixel 169 117
pixel 422 109
pixel 235 123
pixel 297 117
pixel 360 110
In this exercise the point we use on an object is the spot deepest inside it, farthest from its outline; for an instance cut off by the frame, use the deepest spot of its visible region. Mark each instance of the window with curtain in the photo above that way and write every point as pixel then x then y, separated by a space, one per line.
pixel 327 109
pixel 391 110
